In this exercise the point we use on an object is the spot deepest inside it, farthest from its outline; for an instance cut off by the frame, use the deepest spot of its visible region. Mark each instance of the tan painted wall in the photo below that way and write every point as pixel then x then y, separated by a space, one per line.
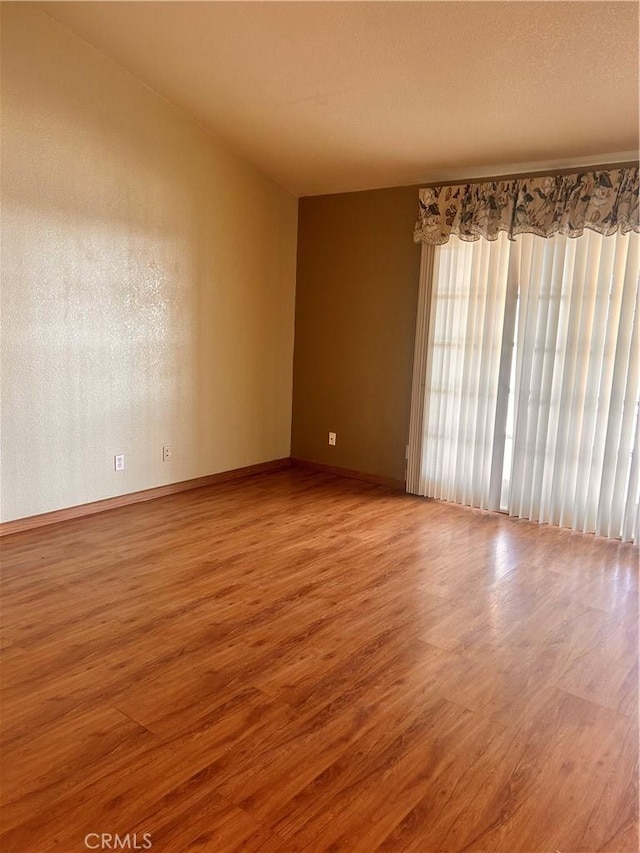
pixel 148 284
pixel 357 289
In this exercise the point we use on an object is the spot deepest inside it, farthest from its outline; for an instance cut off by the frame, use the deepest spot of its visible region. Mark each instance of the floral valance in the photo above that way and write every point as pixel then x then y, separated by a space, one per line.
pixel 567 204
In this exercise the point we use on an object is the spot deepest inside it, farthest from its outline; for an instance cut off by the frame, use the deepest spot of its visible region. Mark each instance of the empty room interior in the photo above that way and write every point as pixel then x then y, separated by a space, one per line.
pixel 320 466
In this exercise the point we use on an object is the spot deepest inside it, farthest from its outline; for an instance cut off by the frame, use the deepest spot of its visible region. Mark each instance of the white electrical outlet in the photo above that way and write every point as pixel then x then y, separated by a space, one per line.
pixel 166 453
pixel 118 462
pixel 332 438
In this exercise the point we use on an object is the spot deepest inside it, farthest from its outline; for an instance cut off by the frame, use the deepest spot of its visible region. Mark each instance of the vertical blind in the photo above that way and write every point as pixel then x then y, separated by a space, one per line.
pixel 531 380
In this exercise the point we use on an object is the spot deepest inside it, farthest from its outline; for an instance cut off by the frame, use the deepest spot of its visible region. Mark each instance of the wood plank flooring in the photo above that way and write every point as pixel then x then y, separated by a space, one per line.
pixel 300 662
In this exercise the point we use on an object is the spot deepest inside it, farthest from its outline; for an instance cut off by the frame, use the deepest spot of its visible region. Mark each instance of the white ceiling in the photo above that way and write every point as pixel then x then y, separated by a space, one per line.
pixel 335 96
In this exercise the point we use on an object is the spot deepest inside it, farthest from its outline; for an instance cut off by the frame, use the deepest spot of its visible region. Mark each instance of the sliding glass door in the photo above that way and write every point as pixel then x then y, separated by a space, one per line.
pixel 531 379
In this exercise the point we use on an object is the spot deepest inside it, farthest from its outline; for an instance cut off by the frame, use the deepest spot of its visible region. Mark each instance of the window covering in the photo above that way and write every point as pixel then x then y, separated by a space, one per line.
pixel 526 389
pixel 602 201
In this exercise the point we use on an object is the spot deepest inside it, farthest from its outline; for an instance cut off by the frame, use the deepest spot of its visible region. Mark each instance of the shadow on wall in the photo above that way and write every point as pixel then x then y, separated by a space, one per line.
pixel 133 315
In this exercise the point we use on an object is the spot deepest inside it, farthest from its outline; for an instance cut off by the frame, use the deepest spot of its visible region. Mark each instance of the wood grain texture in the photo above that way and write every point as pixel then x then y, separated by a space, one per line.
pixel 30 522
pixel 303 662
pixel 351 473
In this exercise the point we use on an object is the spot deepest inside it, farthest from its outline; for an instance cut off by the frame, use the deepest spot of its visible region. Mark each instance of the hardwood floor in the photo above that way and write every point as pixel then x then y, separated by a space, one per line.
pixel 303 662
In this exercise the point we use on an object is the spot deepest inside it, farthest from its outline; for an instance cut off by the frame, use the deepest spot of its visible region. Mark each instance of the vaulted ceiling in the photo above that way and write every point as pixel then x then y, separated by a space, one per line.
pixel 331 96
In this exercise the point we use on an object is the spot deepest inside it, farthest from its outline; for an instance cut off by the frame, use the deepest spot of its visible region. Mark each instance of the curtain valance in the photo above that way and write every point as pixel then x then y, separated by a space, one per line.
pixel 567 204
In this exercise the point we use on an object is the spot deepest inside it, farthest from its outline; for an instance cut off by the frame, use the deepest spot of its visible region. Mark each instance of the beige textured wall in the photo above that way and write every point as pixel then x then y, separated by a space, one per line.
pixel 148 284
pixel 357 290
